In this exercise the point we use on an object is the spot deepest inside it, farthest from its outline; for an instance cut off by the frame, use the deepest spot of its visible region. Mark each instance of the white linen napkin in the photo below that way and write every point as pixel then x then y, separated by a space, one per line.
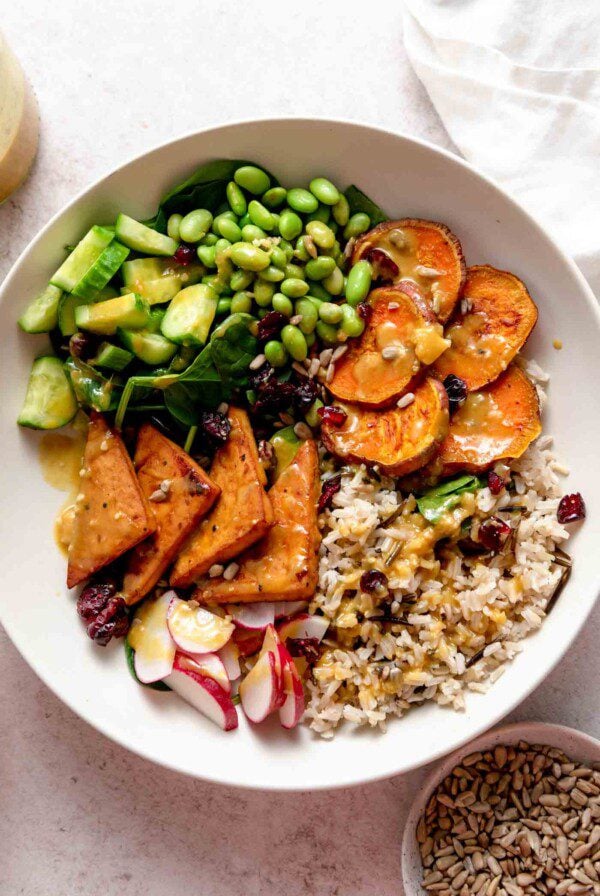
pixel 517 86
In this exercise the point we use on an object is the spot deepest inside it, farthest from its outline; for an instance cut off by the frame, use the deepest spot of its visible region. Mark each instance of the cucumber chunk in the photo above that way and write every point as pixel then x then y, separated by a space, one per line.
pixel 103 270
pixel 151 348
pixel 82 258
pixel 140 270
pixel 93 390
pixel 190 315
pixel 50 401
pixel 68 303
pixel 41 315
pixel 112 357
pixel 143 239
pixel 160 290
pixel 130 311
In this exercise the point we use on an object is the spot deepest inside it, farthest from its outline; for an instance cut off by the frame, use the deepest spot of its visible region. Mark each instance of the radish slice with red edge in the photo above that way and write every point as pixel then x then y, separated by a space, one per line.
pixel 230 657
pixel 303 626
pixel 272 643
pixel 203 693
pixel 195 629
pixel 293 706
pixel 284 608
pixel 209 664
pixel 150 639
pixel 261 691
pixel 252 616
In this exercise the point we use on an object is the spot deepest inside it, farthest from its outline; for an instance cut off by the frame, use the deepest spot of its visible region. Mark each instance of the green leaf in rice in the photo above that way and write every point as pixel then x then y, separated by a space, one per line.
pixel 445 496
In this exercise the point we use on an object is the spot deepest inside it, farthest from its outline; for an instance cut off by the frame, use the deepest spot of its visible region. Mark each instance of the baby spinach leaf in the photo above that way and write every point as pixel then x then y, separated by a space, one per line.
pixel 198 387
pixel 233 347
pixel 91 388
pixel 360 202
pixel 445 496
pixel 129 655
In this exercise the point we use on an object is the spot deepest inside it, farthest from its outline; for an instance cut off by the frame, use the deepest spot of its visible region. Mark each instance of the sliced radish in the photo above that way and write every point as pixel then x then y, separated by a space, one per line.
pixel 209 664
pixel 252 616
pixel 247 642
pixel 260 692
pixel 292 709
pixel 272 644
pixel 203 693
pixel 303 626
pixel 285 608
pixel 150 638
pixel 230 657
pixel 195 629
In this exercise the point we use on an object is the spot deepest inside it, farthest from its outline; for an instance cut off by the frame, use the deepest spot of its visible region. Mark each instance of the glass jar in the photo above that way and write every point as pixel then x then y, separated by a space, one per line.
pixel 18 123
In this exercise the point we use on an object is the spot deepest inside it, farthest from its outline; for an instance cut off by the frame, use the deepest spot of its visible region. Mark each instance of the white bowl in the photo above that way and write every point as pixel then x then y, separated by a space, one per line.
pixel 406 177
pixel 575 744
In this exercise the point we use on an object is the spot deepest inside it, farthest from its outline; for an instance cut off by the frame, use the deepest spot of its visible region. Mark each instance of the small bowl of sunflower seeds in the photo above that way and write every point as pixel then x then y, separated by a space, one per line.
pixel 514 813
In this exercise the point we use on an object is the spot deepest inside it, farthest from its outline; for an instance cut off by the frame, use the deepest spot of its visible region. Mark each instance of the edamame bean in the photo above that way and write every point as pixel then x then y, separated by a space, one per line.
pixel 341 211
pixel 274 197
pixel 309 314
pixel 352 323
pixel 221 245
pixel 294 270
pixel 301 252
pixel 318 291
pixel 173 226
pixel 290 224
pixel 262 312
pixel 312 415
pixel 282 304
pixel 327 333
pixel 236 199
pixel 302 201
pixel 319 268
pixel 195 225
pixel 311 338
pixel 322 235
pixel 333 226
pixel 263 293
pixel 251 232
pixel 324 190
pixel 211 239
pixel 294 287
pixel 272 274
pixel 275 353
pixel 260 215
pixel 278 258
pixel 241 303
pixel 359 282
pixel 241 280
pixel 334 284
pixel 245 219
pixel 223 216
pixel 294 341
pixel 322 214
pixel 330 313
pixel 287 248
pixel 253 179
pixel 249 257
pixel 223 306
pixel 206 255
pixel 221 289
pixel 229 230
pixel 357 224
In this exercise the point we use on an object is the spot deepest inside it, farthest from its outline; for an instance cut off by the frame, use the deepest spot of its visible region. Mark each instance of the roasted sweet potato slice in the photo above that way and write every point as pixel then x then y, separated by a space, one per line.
pixel 284 564
pixel 243 513
pixel 397 440
pixel 424 252
pixel 112 513
pixel 401 335
pixel 495 424
pixel 189 495
pixel 499 316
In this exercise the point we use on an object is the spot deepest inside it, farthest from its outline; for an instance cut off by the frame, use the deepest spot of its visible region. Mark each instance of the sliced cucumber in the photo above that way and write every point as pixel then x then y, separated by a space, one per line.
pixel 68 304
pixel 143 239
pixel 151 348
pixel 190 315
pixel 159 291
pixel 50 400
pixel 103 270
pixel 112 357
pixel 92 389
pixel 130 311
pixel 82 258
pixel 41 315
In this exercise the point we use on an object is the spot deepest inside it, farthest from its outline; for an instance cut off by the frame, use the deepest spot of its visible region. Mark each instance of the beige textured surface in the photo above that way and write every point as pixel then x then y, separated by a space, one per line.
pixel 78 815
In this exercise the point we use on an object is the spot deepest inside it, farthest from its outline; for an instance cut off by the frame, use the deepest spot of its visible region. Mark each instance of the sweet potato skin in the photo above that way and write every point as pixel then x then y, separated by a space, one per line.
pixel 363 375
pixel 428 244
pixel 397 440
pixel 497 325
pixel 284 564
pixel 189 498
pixel 493 425
pixel 112 513
pixel 243 513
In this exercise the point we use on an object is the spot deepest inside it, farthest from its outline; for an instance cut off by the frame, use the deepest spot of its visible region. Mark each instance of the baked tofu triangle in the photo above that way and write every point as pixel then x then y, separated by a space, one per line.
pixel 243 513
pixel 112 514
pixel 189 495
pixel 284 564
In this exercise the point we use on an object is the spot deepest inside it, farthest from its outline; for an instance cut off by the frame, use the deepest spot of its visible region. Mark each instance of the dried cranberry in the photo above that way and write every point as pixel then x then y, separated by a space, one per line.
pixel 330 488
pixel 364 311
pixel 332 416
pixel 495 482
pixel 94 598
pixel 372 581
pixel 83 345
pixel 273 396
pixel 184 254
pixel 258 378
pixel 456 390
pixel 270 326
pixel 111 622
pixel 493 533
pixel 309 648
pixel 384 267
pixel 305 392
pixel 571 508
pixel 216 427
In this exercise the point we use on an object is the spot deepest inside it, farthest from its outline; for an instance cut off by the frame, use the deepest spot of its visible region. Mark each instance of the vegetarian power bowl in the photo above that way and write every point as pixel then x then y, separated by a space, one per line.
pixel 313 480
